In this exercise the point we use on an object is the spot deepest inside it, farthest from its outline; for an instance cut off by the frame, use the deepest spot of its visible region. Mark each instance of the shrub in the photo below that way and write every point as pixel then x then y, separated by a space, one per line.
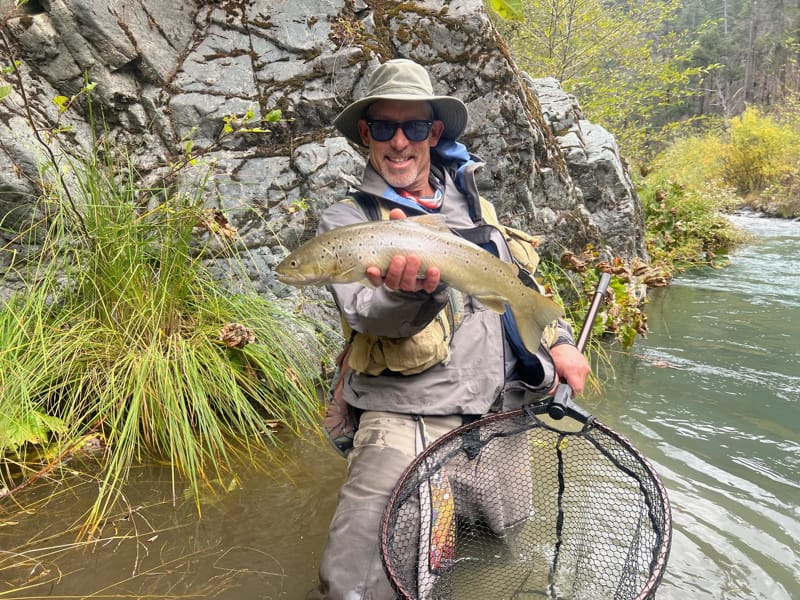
pixel 759 152
pixel 686 227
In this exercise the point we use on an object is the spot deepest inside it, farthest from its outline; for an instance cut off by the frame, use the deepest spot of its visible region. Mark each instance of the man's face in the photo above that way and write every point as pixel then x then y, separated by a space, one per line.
pixel 402 163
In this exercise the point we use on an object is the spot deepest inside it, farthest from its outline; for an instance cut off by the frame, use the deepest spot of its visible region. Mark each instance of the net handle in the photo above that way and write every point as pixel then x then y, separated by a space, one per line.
pixel 561 404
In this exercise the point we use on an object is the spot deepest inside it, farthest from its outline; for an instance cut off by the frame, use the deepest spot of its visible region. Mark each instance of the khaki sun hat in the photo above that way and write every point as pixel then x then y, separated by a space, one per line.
pixel 403 79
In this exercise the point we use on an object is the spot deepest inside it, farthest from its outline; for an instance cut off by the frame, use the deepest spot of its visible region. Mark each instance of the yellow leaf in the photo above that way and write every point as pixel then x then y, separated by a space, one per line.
pixel 510 10
pixel 61 102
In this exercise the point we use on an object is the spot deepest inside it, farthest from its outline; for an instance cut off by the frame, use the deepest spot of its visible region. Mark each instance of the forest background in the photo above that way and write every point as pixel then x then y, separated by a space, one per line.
pixel 702 96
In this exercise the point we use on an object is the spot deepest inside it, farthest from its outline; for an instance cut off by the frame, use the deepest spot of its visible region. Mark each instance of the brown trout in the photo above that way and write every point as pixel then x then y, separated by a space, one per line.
pixel 342 255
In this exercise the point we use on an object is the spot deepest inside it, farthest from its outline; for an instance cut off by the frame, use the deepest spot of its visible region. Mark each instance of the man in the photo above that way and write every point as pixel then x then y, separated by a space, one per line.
pixel 402 374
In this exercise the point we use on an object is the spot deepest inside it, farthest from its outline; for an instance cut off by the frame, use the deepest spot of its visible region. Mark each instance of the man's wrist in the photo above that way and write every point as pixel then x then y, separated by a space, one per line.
pixel 564 334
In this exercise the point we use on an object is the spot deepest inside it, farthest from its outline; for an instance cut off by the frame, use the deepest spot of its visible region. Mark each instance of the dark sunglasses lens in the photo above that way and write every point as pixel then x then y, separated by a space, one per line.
pixel 382 131
pixel 415 131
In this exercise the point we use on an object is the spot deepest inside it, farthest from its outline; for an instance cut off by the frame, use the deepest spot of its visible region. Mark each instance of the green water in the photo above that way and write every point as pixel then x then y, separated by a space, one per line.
pixel 711 397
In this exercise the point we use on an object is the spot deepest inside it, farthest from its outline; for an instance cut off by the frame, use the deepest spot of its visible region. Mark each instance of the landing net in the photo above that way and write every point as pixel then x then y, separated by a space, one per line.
pixel 513 506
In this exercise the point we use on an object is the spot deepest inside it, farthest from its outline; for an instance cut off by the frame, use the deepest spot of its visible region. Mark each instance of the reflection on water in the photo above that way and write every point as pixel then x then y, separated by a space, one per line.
pixel 262 539
pixel 710 397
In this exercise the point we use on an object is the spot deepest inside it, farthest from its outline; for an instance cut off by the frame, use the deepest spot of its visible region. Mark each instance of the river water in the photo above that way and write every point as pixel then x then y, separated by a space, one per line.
pixel 711 397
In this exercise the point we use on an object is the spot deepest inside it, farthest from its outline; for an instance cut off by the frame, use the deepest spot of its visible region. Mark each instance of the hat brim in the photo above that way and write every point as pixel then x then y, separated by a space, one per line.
pixel 451 111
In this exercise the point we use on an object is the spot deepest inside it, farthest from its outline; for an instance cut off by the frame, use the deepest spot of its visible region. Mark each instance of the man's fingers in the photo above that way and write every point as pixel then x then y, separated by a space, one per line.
pixel 403 274
pixel 409 280
pixel 374 276
pixel 394 273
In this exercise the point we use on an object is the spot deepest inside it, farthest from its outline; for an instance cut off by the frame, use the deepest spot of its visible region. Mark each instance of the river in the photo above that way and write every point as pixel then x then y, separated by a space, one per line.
pixel 711 397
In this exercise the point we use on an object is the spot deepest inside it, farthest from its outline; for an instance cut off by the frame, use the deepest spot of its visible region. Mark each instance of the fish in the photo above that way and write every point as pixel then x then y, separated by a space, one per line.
pixel 342 255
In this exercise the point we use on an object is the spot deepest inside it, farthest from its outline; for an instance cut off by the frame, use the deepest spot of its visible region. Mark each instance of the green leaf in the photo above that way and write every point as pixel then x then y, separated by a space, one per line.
pixel 62 102
pixel 273 116
pixel 31 428
pixel 5 90
pixel 510 10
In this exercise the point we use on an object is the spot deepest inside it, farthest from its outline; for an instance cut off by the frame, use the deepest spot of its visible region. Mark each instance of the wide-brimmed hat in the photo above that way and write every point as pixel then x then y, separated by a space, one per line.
pixel 403 79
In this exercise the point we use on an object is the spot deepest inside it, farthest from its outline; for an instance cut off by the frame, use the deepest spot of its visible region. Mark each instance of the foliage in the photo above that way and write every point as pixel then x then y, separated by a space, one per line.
pixel 686 226
pixel 693 162
pixel 123 333
pixel 621 61
pixel 23 418
pixel 620 316
pixel 759 151
pixel 507 9
pixel 750 160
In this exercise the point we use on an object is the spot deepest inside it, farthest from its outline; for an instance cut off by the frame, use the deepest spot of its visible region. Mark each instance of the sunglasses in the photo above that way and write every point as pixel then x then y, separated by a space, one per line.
pixel 415 131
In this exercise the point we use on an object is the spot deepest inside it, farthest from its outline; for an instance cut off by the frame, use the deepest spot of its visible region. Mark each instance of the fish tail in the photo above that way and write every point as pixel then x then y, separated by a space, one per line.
pixel 533 313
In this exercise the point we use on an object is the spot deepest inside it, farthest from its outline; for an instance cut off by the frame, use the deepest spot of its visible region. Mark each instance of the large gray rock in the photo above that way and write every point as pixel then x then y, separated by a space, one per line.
pixel 605 195
pixel 170 72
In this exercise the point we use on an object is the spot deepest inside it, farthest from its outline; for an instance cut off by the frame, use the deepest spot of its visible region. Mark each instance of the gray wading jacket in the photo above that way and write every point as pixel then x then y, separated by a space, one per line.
pixel 479 375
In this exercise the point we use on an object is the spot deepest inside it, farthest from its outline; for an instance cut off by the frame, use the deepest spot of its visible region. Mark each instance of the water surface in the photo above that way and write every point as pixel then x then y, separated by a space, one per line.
pixel 712 398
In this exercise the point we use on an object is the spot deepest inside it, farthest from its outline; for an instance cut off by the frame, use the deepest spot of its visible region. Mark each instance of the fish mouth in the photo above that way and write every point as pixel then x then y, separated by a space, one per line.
pixel 295 279
pixel 289 278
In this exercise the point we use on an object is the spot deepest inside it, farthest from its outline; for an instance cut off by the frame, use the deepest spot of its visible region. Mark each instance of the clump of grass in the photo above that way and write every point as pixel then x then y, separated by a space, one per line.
pixel 123 333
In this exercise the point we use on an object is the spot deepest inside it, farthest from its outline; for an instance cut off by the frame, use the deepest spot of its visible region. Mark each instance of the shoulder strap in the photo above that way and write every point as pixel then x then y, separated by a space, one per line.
pixel 367 204
pixel 488 213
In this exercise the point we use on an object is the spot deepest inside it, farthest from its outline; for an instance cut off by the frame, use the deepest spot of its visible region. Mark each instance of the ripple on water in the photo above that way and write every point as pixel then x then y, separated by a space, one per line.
pixel 712 398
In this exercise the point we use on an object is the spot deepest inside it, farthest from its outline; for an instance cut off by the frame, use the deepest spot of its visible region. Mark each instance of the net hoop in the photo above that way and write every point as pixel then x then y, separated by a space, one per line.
pixel 657 502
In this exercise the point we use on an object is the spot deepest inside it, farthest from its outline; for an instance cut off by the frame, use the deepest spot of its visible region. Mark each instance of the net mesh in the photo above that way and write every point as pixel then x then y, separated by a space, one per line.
pixel 511 507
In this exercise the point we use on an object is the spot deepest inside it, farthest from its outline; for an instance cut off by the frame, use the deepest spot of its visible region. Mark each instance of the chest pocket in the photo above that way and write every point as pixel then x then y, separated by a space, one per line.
pixel 374 355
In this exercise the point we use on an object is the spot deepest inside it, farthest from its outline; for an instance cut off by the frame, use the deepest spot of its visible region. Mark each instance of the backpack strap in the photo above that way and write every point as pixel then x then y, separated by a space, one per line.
pixel 367 203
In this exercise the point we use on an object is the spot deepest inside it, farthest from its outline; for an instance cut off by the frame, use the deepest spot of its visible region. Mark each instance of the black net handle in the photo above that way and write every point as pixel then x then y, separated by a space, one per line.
pixel 561 403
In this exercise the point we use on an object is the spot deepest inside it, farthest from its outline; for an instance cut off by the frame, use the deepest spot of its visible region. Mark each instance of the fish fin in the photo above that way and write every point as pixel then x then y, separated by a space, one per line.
pixel 532 316
pixel 493 302
pixel 433 221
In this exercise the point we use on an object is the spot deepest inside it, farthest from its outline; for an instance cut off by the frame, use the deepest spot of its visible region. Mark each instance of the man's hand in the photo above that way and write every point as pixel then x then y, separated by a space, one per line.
pixel 571 366
pixel 402 272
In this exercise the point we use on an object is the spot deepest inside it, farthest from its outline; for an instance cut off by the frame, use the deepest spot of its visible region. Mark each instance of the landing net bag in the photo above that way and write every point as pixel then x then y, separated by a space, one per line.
pixel 514 507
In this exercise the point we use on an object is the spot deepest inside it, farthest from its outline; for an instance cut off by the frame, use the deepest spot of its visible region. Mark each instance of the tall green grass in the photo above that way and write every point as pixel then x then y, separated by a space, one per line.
pixel 120 333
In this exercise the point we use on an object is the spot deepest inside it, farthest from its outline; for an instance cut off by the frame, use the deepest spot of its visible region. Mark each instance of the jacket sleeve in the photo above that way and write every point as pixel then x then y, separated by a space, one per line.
pixel 565 334
pixel 379 311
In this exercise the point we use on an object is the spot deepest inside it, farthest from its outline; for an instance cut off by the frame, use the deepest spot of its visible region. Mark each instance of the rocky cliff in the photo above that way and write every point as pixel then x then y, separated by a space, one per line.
pixel 168 72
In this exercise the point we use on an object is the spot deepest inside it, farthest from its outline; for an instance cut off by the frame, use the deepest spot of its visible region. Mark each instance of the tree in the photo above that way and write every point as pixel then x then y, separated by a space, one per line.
pixel 756 42
pixel 622 60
